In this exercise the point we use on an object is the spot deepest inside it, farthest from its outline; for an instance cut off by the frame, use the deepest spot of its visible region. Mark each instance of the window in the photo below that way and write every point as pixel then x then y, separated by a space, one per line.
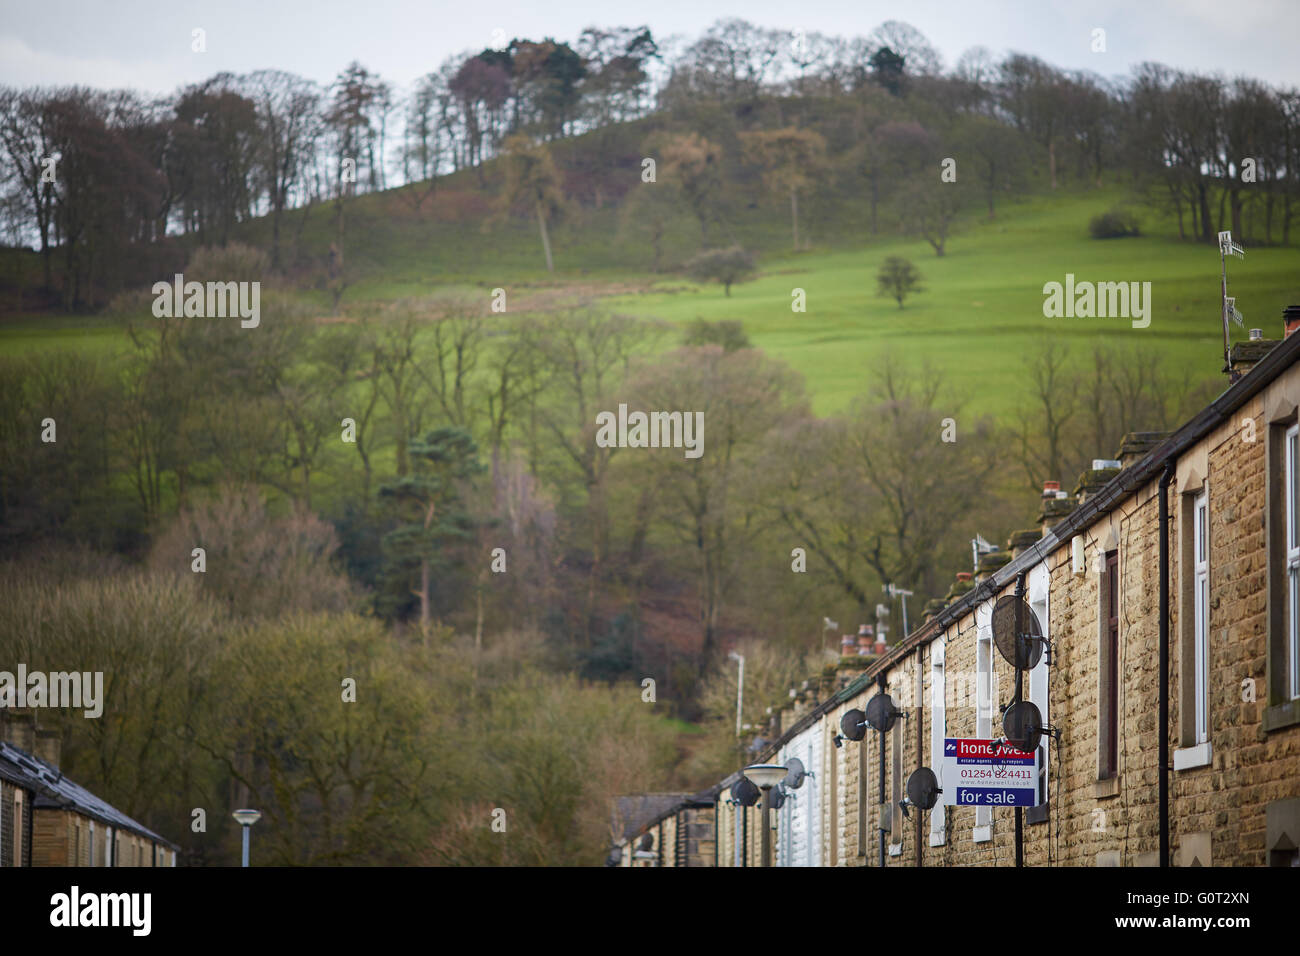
pixel 1108 672
pixel 1282 693
pixel 1038 696
pixel 1201 618
pixel 938 730
pixel 896 789
pixel 984 707
pixel 1291 493
pixel 18 827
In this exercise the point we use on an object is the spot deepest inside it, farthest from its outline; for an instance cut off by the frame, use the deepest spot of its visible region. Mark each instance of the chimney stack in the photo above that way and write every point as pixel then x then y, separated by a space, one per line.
pixel 49 746
pixel 865 639
pixel 1291 319
pixel 20 729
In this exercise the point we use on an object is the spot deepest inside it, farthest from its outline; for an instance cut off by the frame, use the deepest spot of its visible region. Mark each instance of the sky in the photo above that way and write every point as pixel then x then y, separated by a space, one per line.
pixel 147 44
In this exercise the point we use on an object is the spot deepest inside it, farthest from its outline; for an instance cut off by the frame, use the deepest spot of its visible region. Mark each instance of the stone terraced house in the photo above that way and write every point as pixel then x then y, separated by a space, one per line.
pixel 1167 586
pixel 48 820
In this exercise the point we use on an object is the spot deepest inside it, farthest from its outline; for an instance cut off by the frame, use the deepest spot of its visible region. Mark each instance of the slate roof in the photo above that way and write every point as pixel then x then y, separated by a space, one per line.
pixel 53 790
pixel 634 812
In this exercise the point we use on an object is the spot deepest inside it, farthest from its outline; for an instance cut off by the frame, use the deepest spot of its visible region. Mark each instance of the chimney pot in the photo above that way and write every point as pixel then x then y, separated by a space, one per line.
pixel 964 575
pixel 847 645
pixel 1050 488
pixel 1256 335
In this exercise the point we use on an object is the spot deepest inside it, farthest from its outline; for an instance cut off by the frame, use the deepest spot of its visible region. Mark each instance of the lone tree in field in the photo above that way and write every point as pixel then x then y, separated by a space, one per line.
pixel 727 266
pixel 531 180
pixel 898 279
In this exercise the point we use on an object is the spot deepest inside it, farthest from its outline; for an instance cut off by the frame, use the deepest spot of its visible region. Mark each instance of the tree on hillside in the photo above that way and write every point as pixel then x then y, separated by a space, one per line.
pixel 727 266
pixel 996 152
pixel 532 180
pixel 429 507
pixel 694 165
pixel 888 493
pixel 887 68
pixel 288 124
pixel 926 208
pixel 790 159
pixel 898 278
pixel 742 396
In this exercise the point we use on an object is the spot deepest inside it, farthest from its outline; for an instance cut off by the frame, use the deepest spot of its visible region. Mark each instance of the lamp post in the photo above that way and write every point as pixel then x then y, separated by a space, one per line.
pixel 740 687
pixel 765 776
pixel 246 819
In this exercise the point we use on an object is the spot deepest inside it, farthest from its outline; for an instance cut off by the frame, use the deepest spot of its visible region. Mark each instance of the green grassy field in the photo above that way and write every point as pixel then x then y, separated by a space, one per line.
pixel 978 319
pixel 981 313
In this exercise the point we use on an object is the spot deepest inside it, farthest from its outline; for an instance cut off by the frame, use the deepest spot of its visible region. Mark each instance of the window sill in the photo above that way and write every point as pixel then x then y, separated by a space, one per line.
pixel 895 849
pixel 938 837
pixel 1189 758
pixel 1279 716
pixel 1106 787
pixel 983 834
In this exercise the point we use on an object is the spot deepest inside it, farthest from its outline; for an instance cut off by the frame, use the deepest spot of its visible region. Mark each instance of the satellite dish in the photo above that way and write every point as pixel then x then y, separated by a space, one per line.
pixel 778 797
pixel 745 792
pixel 1022 725
pixel 923 788
pixel 794 778
pixel 1021 650
pixel 648 841
pixel 853 724
pixel 881 713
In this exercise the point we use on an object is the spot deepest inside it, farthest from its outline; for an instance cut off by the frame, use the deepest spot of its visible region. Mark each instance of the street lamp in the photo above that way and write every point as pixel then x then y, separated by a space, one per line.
pixel 740 687
pixel 765 776
pixel 246 819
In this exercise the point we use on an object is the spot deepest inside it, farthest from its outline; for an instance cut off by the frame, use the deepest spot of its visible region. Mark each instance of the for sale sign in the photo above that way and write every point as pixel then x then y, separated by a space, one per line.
pixel 978 773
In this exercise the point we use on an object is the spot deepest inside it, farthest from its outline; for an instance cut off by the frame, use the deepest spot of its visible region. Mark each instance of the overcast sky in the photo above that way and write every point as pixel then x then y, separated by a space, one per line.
pixel 146 44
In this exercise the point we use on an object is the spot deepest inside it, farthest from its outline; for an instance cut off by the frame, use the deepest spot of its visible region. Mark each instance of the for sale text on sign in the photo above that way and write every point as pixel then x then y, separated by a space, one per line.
pixel 978 774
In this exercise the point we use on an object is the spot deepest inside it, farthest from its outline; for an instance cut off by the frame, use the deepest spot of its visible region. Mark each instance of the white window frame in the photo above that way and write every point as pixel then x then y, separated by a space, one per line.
pixel 1201 615
pixel 983 831
pixel 1291 491
pixel 1039 592
pixel 938 731
pixel 18 825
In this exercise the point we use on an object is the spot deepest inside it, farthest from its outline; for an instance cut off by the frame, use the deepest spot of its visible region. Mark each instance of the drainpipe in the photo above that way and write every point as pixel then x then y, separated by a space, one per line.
pixel 1020 686
pixel 880 683
pixel 744 831
pixel 1163 724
